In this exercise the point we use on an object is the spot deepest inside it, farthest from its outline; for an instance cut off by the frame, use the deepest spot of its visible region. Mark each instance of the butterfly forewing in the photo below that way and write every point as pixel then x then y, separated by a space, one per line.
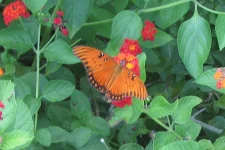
pixel 100 66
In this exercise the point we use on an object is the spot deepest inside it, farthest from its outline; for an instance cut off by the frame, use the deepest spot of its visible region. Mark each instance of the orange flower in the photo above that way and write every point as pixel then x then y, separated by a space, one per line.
pixel 15 10
pixel 1 72
pixel 130 46
pixel 129 66
pixel 218 74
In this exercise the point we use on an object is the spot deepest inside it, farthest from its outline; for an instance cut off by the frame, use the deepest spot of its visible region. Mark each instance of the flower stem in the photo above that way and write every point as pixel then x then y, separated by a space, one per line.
pixel 212 11
pixel 98 22
pixel 165 127
pixel 165 6
pixel 74 43
pixel 37 73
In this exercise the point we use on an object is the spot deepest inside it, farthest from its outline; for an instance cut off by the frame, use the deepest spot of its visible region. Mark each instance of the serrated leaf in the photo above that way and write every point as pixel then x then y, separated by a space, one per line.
pixel 34 5
pixel 57 90
pixel 160 107
pixel 131 146
pixel 43 136
pixel 183 112
pixel 99 125
pixel 183 145
pixel 128 134
pixel 15 139
pixel 126 24
pixel 161 38
pixel 76 13
pixel 189 130
pixel 207 79
pixel 79 137
pixel 60 52
pixel 194 42
pixel 220 30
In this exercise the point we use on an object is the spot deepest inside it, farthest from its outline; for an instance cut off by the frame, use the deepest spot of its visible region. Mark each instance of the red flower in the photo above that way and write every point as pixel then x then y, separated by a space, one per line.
pixel 60 13
pixel 64 31
pixel 58 21
pixel 148 31
pixel 219 84
pixel 122 103
pixel 15 10
pixel 1 72
pixel 2 105
pixel 130 46
pixel 1 118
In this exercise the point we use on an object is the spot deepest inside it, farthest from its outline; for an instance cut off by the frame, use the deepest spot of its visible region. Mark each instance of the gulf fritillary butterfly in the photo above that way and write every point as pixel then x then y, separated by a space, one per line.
pixel 109 77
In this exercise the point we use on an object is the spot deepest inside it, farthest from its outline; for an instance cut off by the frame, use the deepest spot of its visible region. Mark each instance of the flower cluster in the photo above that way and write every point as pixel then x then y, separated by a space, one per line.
pixel 220 77
pixel 148 32
pixel 15 10
pixel 127 56
pixel 59 22
pixel 2 106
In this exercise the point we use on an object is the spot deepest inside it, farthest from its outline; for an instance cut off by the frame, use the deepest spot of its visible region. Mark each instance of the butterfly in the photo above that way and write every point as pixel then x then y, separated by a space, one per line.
pixel 108 76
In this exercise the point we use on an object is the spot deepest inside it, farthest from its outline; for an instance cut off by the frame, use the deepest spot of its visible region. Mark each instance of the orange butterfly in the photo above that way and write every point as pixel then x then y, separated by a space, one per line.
pixel 109 77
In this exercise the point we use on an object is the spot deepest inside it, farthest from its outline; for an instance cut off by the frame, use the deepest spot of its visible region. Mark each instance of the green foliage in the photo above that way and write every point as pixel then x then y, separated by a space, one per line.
pixel 47 102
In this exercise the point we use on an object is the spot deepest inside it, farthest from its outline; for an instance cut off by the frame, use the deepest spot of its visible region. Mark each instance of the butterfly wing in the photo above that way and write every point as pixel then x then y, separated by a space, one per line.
pixel 127 84
pixel 100 66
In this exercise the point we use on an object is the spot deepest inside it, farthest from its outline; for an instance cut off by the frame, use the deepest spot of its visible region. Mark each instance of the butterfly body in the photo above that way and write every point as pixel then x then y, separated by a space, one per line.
pixel 108 76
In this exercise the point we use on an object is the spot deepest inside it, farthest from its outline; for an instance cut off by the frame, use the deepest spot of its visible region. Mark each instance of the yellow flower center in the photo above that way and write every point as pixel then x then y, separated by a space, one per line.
pixel 132 47
pixel 130 57
pixel 129 66
pixel 217 75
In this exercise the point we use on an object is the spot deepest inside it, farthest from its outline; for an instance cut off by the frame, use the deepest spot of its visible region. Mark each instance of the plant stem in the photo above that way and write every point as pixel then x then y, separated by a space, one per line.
pixel 212 11
pixel 74 43
pixel 37 73
pixel 98 22
pixel 165 6
pixel 164 126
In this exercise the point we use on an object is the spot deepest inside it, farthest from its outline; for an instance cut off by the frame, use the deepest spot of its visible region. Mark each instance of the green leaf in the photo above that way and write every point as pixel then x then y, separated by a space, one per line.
pixel 120 5
pixel 21 88
pixel 126 24
pixel 15 139
pixel 167 17
pixel 183 145
pixel 220 30
pixel 99 14
pixel 160 107
pixel 32 103
pixel 189 130
pixel 161 38
pixel 206 144
pixel 207 79
pixel 137 107
pixel 121 114
pixel 194 42
pixel 15 38
pixel 76 13
pixel 128 134
pixel 8 99
pixel 131 146
pixel 34 5
pixel 76 124
pixel 57 134
pixel 63 74
pixel 80 106
pixel 142 60
pixel 60 52
pixel 43 136
pixel 79 137
pixel 162 138
pixel 52 66
pixel 23 120
pixel 183 112
pixel 149 146
pixel 57 90
pixel 221 102
pixel 30 79
pixel 219 143
pixel 99 125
